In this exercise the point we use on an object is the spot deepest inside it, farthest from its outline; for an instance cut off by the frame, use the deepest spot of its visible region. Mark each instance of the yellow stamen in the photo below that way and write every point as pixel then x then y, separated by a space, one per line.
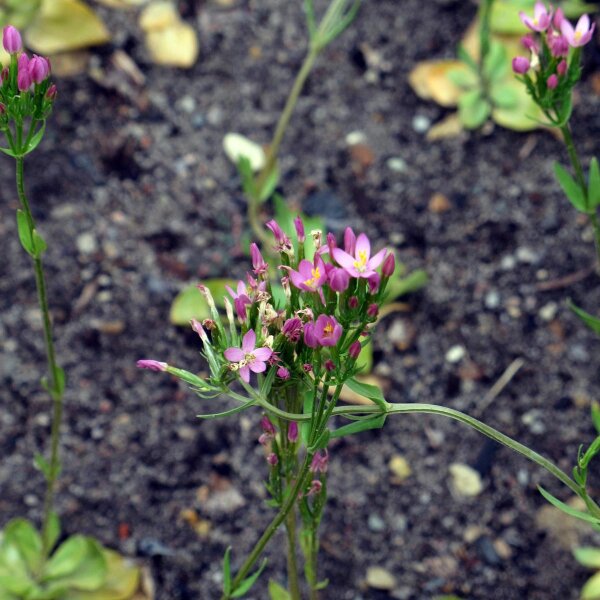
pixel 312 281
pixel 361 263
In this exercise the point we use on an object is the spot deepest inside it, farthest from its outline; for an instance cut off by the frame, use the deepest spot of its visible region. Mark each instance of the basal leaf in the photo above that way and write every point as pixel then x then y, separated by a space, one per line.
pixel 569 186
pixel 588 557
pixel 591 589
pixel 278 592
pixel 25 537
pixel 473 109
pixel 504 96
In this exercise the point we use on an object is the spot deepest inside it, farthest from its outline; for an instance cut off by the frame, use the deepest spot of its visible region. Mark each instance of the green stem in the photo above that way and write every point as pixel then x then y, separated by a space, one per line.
pixel 55 383
pixel 292 560
pixel 314 553
pixel 273 525
pixel 580 177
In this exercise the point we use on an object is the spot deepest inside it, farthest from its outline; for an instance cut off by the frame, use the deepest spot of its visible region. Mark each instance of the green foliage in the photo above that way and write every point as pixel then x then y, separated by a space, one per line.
pixel 592 322
pixel 278 592
pixel 569 510
pixel 571 189
pixel 190 303
pixel 594 185
pixel 79 569
pixel 590 558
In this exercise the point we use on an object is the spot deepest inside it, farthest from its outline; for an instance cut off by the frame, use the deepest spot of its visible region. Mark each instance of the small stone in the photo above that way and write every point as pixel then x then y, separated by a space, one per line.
pixel 402 334
pixel 361 157
pixel 527 255
pixel 356 137
pixel 236 145
pixel 533 421
pixel 438 203
pixel 466 481
pixel 379 578
pixel 455 354
pixel 485 549
pixel 396 164
pixel 187 104
pixel 215 116
pixel 508 263
pixel 548 311
pixel 375 523
pixel 492 300
pixel 399 466
pixel 578 353
pixel 86 243
pixel 31 500
pixel 502 549
pixel 421 123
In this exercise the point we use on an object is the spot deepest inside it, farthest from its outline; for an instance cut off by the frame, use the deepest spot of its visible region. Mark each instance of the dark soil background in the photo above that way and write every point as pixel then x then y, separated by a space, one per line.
pixel 135 197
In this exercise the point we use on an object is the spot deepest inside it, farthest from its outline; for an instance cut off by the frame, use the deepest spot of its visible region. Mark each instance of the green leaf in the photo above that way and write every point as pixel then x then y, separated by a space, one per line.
pixel 53 530
pixel 363 424
pixel 39 244
pixel 9 152
pixel 525 115
pixel 591 589
pixel 594 184
pixel 122 580
pixel 588 557
pixel 371 392
pixel 269 185
pixel 190 303
pixel 227 572
pixel 24 232
pixel 42 465
pixel 245 586
pixel 14 578
pixel 400 286
pixel 25 537
pixel 62 25
pixel 573 512
pixel 569 186
pixel 473 110
pixel 496 63
pixel 463 78
pixel 278 592
pixel 77 563
pixel 592 322
pixel 364 362
pixel 596 415
pixel 322 584
pixel 504 96
pixel 35 140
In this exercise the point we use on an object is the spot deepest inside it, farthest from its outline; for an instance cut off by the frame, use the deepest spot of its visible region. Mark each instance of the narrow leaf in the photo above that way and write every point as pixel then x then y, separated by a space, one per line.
pixel 358 426
pixel 278 592
pixel 573 512
pixel 371 392
pixel 592 322
pixel 42 464
pixel 594 184
pixel 24 232
pixel 596 415
pixel 35 139
pixel 227 572
pixel 570 187
pixel 248 582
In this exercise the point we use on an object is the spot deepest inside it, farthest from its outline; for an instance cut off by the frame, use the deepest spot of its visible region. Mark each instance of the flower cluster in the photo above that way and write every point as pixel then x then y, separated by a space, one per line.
pixel 552 68
pixel 26 90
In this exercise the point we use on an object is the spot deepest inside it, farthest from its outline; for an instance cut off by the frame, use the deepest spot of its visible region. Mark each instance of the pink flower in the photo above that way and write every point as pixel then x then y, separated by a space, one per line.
pixel 361 264
pixel 283 373
pixel 310 339
pixel 582 33
pixel 24 79
pixel 541 18
pixel 309 277
pixel 282 241
pixel 248 358
pixel 530 44
pixel 339 280
pixel 11 39
pixel 327 330
pixel 319 462
pixel 258 264
pixel 39 68
pixel 152 365
pixel 520 65
pixel 559 46
pixel 240 299
pixel 292 329
pixel 552 81
pixel 349 240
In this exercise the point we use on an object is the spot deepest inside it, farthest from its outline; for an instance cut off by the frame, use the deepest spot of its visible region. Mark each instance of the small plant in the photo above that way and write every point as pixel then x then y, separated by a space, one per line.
pixel 32 566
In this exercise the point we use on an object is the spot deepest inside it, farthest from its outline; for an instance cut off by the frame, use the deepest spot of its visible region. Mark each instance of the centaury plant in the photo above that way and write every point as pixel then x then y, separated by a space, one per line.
pixel 32 565
pixel 290 357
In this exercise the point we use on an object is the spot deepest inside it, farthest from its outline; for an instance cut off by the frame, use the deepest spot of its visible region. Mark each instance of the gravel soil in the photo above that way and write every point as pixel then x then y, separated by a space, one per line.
pixel 136 199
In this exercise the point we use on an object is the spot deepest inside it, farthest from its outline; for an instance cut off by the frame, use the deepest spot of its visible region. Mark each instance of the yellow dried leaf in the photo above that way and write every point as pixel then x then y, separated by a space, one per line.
pixel 122 3
pixel 429 80
pixel 159 15
pixel 63 25
pixel 69 64
pixel 175 46
pixel 448 127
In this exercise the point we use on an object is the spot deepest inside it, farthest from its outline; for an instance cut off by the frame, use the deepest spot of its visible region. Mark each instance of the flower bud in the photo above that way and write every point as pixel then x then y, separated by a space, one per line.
pixel 310 338
pixel 561 68
pixel 373 282
pixel 339 280
pixel 267 426
pixel 307 367
pixel 389 265
pixel 299 225
pixel 329 365
pixel 354 349
pixel 552 81
pixel 11 39
pixel 559 15
pixel 39 68
pixel 258 262
pixel 292 432
pixel 352 302
pixel 520 65
pixel 5 74
pixel 529 42
pixel 2 109
pixel 152 365
pixel 283 373
pixel 51 93
pixel 272 459
pixel 373 310
pixel 349 241
pixel 24 80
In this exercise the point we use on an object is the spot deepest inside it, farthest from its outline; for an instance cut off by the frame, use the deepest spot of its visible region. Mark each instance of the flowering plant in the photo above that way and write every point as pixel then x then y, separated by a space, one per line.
pixel 32 563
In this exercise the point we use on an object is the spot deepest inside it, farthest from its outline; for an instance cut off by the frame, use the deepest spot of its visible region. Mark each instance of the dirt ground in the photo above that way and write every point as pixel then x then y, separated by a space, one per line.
pixel 136 199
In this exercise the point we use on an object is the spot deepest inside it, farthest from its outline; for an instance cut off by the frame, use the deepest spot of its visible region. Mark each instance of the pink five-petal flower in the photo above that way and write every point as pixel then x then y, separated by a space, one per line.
pixel 361 264
pixel 327 330
pixel 249 358
pixel 309 276
pixel 541 18
pixel 582 33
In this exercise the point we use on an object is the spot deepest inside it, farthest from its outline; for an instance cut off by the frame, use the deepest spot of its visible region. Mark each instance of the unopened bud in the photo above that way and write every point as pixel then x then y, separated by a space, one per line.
pixel 354 349
pixel 552 81
pixel 292 432
pixel 152 365
pixel 352 302
pixel 51 93
pixel 329 366
pixel 520 65
pixel 389 265
pixel 561 68
pixel 373 310
pixel 283 373
pixel 11 40
pixel 272 459
pixel 299 225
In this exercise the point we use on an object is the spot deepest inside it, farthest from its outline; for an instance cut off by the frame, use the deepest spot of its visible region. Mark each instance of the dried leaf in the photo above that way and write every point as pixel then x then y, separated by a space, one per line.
pixel 62 25
pixel 125 4
pixel 429 80
pixel 449 127
pixel 159 15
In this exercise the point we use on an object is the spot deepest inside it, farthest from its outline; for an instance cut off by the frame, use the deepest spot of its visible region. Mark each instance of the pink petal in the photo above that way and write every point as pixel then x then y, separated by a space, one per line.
pixel 262 353
pixel 257 366
pixel 377 259
pixel 567 30
pixel 305 268
pixel 583 25
pixel 297 279
pixel 345 260
pixel 363 245
pixel 245 373
pixel 234 354
pixel 249 341
pixel 233 294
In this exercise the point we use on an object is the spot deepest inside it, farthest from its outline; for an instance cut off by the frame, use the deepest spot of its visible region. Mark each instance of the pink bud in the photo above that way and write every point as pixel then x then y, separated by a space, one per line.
pixel 24 80
pixel 389 265
pixel 559 15
pixel 299 225
pixel 5 74
pixel 329 365
pixel 310 338
pixel 373 310
pixel 258 263
pixel 373 281
pixel 292 432
pixel 529 42
pixel 552 81
pixel 272 459
pixel 352 302
pixel 11 39
pixel 283 373
pixel 339 280
pixel 315 487
pixel 307 367
pixel 51 93
pixel 520 65
pixel 349 241
pixel 354 349
pixel 39 68
pixel 2 109
pixel 561 68
pixel 152 365
pixel 267 426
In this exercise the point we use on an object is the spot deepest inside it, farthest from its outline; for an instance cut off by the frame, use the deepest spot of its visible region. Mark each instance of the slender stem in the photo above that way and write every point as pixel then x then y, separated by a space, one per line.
pixel 313 556
pixel 580 177
pixel 55 384
pixel 273 525
pixel 292 560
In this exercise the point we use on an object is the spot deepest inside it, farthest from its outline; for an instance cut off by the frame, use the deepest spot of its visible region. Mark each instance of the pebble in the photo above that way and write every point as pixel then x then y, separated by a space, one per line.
pixel 465 481
pixel 548 311
pixel 396 164
pixel 438 203
pixel 215 116
pixel 86 243
pixel 356 137
pixel 455 354
pixel 187 104
pixel 399 466
pixel 421 123
pixel 402 334
pixel 236 145
pixel 527 255
pixel 486 551
pixel 532 419
pixel 508 262
pixel 31 500
pixel 492 300
pixel 380 579
pixel 578 353
pixel 375 523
